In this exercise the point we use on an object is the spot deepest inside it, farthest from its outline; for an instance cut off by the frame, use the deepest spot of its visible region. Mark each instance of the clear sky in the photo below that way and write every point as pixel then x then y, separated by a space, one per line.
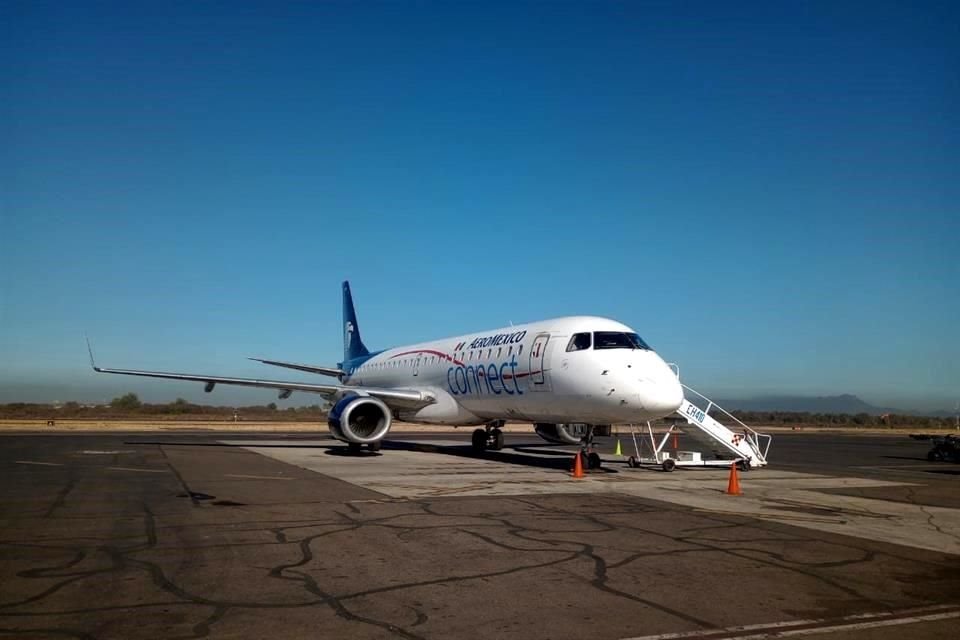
pixel 768 193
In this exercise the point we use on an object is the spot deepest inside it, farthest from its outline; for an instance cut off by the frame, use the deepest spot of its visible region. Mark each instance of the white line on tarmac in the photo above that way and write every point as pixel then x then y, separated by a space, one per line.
pixel 93 452
pixel 771 630
pixel 45 464
pixel 240 475
pixel 894 467
pixel 132 469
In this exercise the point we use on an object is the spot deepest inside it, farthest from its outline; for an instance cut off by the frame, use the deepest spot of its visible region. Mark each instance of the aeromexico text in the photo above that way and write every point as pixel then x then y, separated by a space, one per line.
pixel 487 378
pixel 494 341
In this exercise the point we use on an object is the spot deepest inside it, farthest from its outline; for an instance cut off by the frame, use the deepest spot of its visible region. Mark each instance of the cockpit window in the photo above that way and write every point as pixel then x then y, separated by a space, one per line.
pixel 618 340
pixel 579 342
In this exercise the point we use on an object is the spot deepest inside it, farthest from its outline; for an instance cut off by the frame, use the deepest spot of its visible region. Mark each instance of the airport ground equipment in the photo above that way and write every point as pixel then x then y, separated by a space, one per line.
pixel 737 444
pixel 739 440
pixel 945 448
pixel 649 451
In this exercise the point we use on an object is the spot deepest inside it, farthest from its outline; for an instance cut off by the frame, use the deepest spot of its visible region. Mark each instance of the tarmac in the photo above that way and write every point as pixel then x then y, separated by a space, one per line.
pixel 240 535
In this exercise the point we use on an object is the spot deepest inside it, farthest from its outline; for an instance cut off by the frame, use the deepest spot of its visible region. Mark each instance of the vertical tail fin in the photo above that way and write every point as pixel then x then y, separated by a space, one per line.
pixel 352 344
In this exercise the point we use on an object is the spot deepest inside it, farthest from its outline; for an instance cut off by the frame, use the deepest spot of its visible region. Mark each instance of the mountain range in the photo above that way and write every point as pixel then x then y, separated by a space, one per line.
pixel 844 403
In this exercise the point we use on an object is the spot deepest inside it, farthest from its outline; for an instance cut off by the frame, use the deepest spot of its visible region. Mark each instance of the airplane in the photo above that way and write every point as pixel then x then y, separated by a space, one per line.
pixel 559 375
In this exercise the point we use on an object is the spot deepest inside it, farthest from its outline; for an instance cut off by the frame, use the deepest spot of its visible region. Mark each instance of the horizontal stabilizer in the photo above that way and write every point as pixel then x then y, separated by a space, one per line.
pixel 323 371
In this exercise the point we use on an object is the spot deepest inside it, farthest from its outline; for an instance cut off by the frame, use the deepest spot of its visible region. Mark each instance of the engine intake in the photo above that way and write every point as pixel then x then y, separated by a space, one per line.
pixel 359 419
pixel 569 433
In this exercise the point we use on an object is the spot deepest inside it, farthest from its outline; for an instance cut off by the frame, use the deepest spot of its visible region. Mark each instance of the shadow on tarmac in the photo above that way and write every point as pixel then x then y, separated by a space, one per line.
pixel 535 455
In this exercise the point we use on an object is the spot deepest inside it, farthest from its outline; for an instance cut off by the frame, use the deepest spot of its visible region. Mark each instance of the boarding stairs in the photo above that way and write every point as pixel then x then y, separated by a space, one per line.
pixel 737 440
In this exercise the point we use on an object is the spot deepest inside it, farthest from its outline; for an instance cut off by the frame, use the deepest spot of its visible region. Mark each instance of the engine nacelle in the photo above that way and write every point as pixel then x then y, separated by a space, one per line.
pixel 569 433
pixel 359 419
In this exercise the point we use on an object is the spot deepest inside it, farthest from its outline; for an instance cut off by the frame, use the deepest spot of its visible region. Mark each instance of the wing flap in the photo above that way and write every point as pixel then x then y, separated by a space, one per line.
pixel 309 368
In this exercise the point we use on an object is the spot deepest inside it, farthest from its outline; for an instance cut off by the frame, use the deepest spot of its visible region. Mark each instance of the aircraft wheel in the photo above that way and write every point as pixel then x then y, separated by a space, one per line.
pixel 593 460
pixel 935 456
pixel 497 443
pixel 354 447
pixel 669 465
pixel 374 446
pixel 479 440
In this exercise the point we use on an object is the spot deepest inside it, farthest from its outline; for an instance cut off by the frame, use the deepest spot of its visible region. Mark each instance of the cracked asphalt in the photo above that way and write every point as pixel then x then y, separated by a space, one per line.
pixel 179 536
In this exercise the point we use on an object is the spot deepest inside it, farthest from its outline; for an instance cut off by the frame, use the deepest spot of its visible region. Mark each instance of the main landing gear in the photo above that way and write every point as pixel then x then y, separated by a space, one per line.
pixel 589 458
pixel 490 437
pixel 356 447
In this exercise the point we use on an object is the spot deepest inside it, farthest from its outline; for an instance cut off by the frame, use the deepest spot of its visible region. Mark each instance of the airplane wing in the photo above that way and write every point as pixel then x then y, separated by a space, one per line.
pixel 324 371
pixel 394 398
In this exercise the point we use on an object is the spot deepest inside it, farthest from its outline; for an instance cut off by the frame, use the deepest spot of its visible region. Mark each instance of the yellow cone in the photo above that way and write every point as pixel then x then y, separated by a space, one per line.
pixel 618 452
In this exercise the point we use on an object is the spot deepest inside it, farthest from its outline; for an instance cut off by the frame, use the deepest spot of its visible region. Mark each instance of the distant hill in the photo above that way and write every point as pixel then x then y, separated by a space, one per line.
pixel 845 403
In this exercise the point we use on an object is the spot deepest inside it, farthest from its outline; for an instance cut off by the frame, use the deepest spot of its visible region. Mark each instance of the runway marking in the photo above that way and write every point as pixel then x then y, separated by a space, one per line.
pixel 104 453
pixel 768 630
pixel 141 470
pixel 240 475
pixel 894 467
pixel 911 471
pixel 45 464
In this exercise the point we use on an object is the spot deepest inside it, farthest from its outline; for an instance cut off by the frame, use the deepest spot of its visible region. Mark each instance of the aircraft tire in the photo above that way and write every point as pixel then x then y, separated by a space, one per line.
pixel 354 447
pixel 497 440
pixel 479 440
pixel 593 460
pixel 374 446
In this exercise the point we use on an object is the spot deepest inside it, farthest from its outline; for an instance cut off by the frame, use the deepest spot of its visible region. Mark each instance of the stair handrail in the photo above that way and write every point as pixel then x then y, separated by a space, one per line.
pixel 675 368
pixel 751 433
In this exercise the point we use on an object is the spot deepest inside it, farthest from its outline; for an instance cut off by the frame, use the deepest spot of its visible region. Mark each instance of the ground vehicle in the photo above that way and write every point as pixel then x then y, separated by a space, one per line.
pixel 945 448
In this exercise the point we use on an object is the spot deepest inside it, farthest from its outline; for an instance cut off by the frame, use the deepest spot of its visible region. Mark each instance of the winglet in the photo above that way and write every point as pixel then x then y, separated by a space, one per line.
pixel 93 364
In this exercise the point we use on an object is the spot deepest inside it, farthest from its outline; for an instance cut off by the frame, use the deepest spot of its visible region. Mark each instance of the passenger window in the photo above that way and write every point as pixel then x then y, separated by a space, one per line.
pixel 579 342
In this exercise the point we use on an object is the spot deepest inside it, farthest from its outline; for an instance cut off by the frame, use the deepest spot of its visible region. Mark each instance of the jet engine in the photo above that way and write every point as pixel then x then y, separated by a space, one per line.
pixel 359 419
pixel 569 433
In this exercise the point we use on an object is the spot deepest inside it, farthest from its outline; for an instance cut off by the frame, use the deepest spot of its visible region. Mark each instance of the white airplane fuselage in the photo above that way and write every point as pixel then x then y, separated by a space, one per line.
pixel 530 372
pixel 577 369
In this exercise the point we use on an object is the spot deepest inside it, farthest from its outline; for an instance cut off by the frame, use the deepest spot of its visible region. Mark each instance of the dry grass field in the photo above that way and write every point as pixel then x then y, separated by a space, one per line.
pixel 267 426
pixel 67 426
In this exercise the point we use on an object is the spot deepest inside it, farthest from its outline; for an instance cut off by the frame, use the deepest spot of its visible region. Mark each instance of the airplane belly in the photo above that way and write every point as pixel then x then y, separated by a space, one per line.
pixel 446 410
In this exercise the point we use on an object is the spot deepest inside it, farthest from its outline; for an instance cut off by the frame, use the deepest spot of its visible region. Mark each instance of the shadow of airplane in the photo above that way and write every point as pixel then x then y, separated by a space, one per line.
pixel 534 455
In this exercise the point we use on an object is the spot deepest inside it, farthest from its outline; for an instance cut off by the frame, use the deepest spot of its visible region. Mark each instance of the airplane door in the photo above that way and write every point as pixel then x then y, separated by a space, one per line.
pixel 416 366
pixel 538 364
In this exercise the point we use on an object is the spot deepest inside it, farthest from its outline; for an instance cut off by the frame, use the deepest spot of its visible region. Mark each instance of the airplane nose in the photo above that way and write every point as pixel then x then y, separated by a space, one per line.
pixel 671 394
pixel 665 395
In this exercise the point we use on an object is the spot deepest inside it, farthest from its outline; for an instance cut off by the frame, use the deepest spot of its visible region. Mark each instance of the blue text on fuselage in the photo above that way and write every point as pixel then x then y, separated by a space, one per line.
pixel 498 339
pixel 465 380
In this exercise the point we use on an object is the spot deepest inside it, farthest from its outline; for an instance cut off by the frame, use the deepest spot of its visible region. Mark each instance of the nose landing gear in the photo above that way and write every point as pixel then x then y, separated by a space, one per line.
pixel 589 457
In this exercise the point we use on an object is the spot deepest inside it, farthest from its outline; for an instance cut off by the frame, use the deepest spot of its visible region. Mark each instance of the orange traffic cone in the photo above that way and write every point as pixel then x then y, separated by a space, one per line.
pixel 733 485
pixel 577 466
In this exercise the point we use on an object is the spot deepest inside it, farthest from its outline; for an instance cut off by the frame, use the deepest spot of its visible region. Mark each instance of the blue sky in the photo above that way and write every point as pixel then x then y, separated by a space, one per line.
pixel 768 193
